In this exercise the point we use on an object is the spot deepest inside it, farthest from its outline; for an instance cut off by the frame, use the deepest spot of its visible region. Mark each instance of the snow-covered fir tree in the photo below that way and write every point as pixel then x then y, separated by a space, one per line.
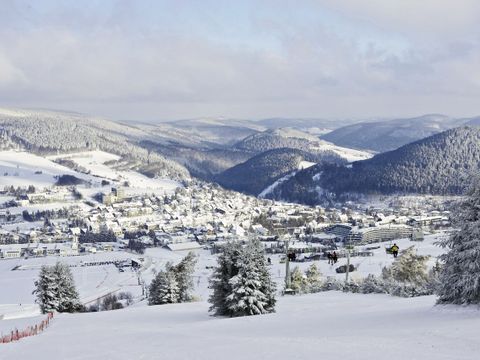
pixel 183 272
pixel 246 298
pixel 46 290
pixel 68 300
pixel 241 283
pixel 460 274
pixel 164 288
pixel 55 289
pixel 268 286
pixel 219 282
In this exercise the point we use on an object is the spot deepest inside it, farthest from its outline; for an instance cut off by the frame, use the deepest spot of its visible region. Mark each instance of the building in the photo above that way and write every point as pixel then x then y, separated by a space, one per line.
pixel 379 233
pixel 339 230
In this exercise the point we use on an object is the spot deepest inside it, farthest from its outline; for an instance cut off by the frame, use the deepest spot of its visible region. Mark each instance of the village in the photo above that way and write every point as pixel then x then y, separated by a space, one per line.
pixel 201 215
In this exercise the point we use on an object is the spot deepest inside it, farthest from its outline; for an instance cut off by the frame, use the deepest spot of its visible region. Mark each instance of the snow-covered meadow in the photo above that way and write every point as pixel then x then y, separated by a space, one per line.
pixel 318 326
pixel 20 168
pixel 97 162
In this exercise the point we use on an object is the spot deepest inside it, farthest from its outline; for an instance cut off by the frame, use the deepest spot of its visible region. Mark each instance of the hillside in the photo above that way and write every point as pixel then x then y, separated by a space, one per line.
pixel 204 148
pixel 217 131
pixel 442 164
pixel 388 135
pixel 257 173
pixel 295 139
pixel 46 132
pixel 311 125
pixel 332 324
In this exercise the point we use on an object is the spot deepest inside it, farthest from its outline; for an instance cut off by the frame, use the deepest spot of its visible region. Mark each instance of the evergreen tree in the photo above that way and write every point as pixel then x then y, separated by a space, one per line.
pixel 55 289
pixel 241 283
pixel 268 286
pixel 219 282
pixel 314 279
pixel 46 290
pixel 68 300
pixel 183 272
pixel 246 297
pixel 460 273
pixel 164 289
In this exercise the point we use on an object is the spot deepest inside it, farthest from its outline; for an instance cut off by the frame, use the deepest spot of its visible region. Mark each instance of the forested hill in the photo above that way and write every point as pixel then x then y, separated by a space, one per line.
pixel 440 164
pixel 262 170
pixel 388 135
pixel 276 139
pixel 48 132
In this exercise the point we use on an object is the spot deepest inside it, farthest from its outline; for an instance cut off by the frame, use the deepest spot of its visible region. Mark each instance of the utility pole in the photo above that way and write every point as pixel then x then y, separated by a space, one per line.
pixel 287 267
pixel 348 265
pixel 347 247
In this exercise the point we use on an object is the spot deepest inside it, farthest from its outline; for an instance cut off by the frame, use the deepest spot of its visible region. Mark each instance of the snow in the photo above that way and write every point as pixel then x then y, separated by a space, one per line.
pixel 95 162
pixel 325 325
pixel 349 154
pixel 91 281
pixel 354 325
pixel 271 187
pixel 305 165
pixel 184 246
pixel 21 167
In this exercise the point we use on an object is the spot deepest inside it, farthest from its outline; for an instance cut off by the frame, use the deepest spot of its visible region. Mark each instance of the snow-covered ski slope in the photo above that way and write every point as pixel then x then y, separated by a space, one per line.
pixel 328 325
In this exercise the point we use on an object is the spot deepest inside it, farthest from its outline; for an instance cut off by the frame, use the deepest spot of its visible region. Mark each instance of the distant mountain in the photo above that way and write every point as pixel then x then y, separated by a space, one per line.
pixel 313 126
pixel 443 164
pixel 388 135
pixel 295 139
pixel 260 171
pixel 49 132
pixel 276 153
pixel 217 131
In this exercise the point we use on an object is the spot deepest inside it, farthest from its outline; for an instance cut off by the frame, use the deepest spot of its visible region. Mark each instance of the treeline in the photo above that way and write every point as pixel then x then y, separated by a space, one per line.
pixel 93 237
pixel 45 214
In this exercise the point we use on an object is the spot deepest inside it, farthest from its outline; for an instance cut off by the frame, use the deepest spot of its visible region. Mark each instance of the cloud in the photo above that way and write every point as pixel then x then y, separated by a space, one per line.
pixel 433 18
pixel 313 58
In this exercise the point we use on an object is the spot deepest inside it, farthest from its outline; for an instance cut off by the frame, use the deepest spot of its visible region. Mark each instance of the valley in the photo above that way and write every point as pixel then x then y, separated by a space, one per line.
pixel 119 207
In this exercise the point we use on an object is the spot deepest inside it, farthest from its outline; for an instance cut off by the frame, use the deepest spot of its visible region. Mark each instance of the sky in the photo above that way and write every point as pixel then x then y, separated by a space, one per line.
pixel 154 60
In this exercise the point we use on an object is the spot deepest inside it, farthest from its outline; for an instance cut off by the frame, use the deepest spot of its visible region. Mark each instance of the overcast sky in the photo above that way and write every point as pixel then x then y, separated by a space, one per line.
pixel 153 60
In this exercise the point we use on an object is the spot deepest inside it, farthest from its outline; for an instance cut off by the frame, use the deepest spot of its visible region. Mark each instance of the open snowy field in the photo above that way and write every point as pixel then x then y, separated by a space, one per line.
pixel 95 162
pixel 329 325
pixel 20 168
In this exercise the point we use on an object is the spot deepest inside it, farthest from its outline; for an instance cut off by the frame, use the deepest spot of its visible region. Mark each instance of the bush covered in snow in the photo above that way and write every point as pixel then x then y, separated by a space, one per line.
pixel 406 277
